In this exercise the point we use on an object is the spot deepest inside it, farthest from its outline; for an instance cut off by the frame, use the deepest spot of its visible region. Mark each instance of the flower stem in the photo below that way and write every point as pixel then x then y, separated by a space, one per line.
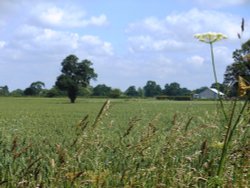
pixel 216 81
pixel 214 70
pixel 229 134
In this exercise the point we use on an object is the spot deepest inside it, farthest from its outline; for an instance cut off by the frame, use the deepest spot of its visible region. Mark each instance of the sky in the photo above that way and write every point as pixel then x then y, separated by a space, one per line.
pixel 129 42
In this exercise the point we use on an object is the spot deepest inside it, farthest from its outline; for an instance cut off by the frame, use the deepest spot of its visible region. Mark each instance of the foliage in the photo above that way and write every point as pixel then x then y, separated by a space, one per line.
pixel 29 91
pixel 140 92
pixel 17 93
pixel 4 91
pixel 152 89
pixel 75 75
pixel 221 87
pixel 240 67
pixel 176 98
pixel 101 90
pixel 174 89
pixel 115 93
pixel 132 92
pixel 86 91
pixel 34 89
pixel 53 92
pixel 233 119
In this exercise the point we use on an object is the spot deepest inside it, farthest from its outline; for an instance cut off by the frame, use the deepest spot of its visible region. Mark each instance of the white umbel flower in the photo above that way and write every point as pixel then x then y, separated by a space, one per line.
pixel 210 37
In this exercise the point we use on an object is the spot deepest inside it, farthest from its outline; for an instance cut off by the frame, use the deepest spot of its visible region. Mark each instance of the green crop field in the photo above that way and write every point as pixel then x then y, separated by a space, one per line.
pixel 121 143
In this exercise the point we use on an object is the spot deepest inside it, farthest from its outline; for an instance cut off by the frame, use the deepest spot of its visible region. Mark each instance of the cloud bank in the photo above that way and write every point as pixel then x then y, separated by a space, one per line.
pixel 159 48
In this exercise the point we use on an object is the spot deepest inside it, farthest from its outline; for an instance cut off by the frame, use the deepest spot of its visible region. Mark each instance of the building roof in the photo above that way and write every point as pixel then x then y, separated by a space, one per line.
pixel 216 91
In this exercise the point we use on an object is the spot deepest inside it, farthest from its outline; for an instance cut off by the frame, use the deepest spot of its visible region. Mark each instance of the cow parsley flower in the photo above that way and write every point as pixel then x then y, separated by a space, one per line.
pixel 210 37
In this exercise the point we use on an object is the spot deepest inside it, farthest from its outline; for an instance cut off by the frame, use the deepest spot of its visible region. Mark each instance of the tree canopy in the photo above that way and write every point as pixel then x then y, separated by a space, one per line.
pixel 4 90
pixel 75 75
pixel 101 90
pixel 174 89
pixel 152 89
pixel 132 92
pixel 240 67
pixel 35 88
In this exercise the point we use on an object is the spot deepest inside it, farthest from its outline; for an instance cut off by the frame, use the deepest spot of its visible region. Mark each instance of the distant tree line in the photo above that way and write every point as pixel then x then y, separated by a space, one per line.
pixel 75 77
pixel 74 81
pixel 151 89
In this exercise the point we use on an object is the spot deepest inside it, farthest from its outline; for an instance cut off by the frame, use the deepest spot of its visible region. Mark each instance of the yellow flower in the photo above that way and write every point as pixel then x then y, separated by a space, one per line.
pixel 217 145
pixel 243 86
pixel 246 57
pixel 210 37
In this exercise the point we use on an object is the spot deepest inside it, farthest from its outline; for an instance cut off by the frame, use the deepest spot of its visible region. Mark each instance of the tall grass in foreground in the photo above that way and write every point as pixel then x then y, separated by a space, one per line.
pixel 234 119
pixel 184 153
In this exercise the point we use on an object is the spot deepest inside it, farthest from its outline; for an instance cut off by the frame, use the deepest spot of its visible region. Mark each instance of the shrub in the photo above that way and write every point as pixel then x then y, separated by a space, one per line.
pixel 176 98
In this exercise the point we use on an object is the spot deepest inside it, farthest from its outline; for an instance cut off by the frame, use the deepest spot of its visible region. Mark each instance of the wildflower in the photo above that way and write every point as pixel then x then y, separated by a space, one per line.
pixel 243 86
pixel 246 58
pixel 210 37
pixel 217 145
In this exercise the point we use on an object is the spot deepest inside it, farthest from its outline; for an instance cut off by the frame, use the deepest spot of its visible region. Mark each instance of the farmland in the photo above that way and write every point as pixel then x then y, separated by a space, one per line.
pixel 128 143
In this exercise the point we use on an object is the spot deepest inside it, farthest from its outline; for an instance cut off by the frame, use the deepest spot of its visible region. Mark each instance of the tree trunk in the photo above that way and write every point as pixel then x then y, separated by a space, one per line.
pixel 72 93
pixel 72 100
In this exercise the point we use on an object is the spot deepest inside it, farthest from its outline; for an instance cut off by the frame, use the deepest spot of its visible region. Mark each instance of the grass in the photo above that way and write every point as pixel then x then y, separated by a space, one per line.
pixel 129 143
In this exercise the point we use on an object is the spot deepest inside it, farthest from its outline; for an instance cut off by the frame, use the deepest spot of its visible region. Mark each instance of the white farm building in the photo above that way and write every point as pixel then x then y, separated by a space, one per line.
pixel 209 93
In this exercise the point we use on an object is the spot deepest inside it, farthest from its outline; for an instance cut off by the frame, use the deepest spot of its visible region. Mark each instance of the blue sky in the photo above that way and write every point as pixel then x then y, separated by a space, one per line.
pixel 129 42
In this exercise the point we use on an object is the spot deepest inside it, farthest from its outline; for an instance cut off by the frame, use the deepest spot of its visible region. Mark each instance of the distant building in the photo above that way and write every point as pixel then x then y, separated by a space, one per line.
pixel 209 93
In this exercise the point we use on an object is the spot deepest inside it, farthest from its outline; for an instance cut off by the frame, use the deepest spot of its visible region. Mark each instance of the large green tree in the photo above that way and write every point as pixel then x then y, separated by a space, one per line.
pixel 174 89
pixel 75 75
pixel 115 93
pixel 4 91
pixel 17 93
pixel 131 91
pixel 152 89
pixel 240 67
pixel 102 90
pixel 35 88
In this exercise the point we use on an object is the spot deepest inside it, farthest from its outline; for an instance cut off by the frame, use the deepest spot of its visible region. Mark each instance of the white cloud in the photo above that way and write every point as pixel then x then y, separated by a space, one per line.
pixel 49 40
pixel 196 21
pixel 27 31
pixel 223 55
pixel 221 3
pixel 164 49
pixel 173 38
pixel 97 45
pixel 53 15
pixel 176 31
pixel 196 60
pixel 137 71
pixel 68 17
pixel 38 45
pixel 150 24
pixel 2 23
pixel 41 50
pixel 216 4
pixel 147 43
pixel 98 20
pixel 2 44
